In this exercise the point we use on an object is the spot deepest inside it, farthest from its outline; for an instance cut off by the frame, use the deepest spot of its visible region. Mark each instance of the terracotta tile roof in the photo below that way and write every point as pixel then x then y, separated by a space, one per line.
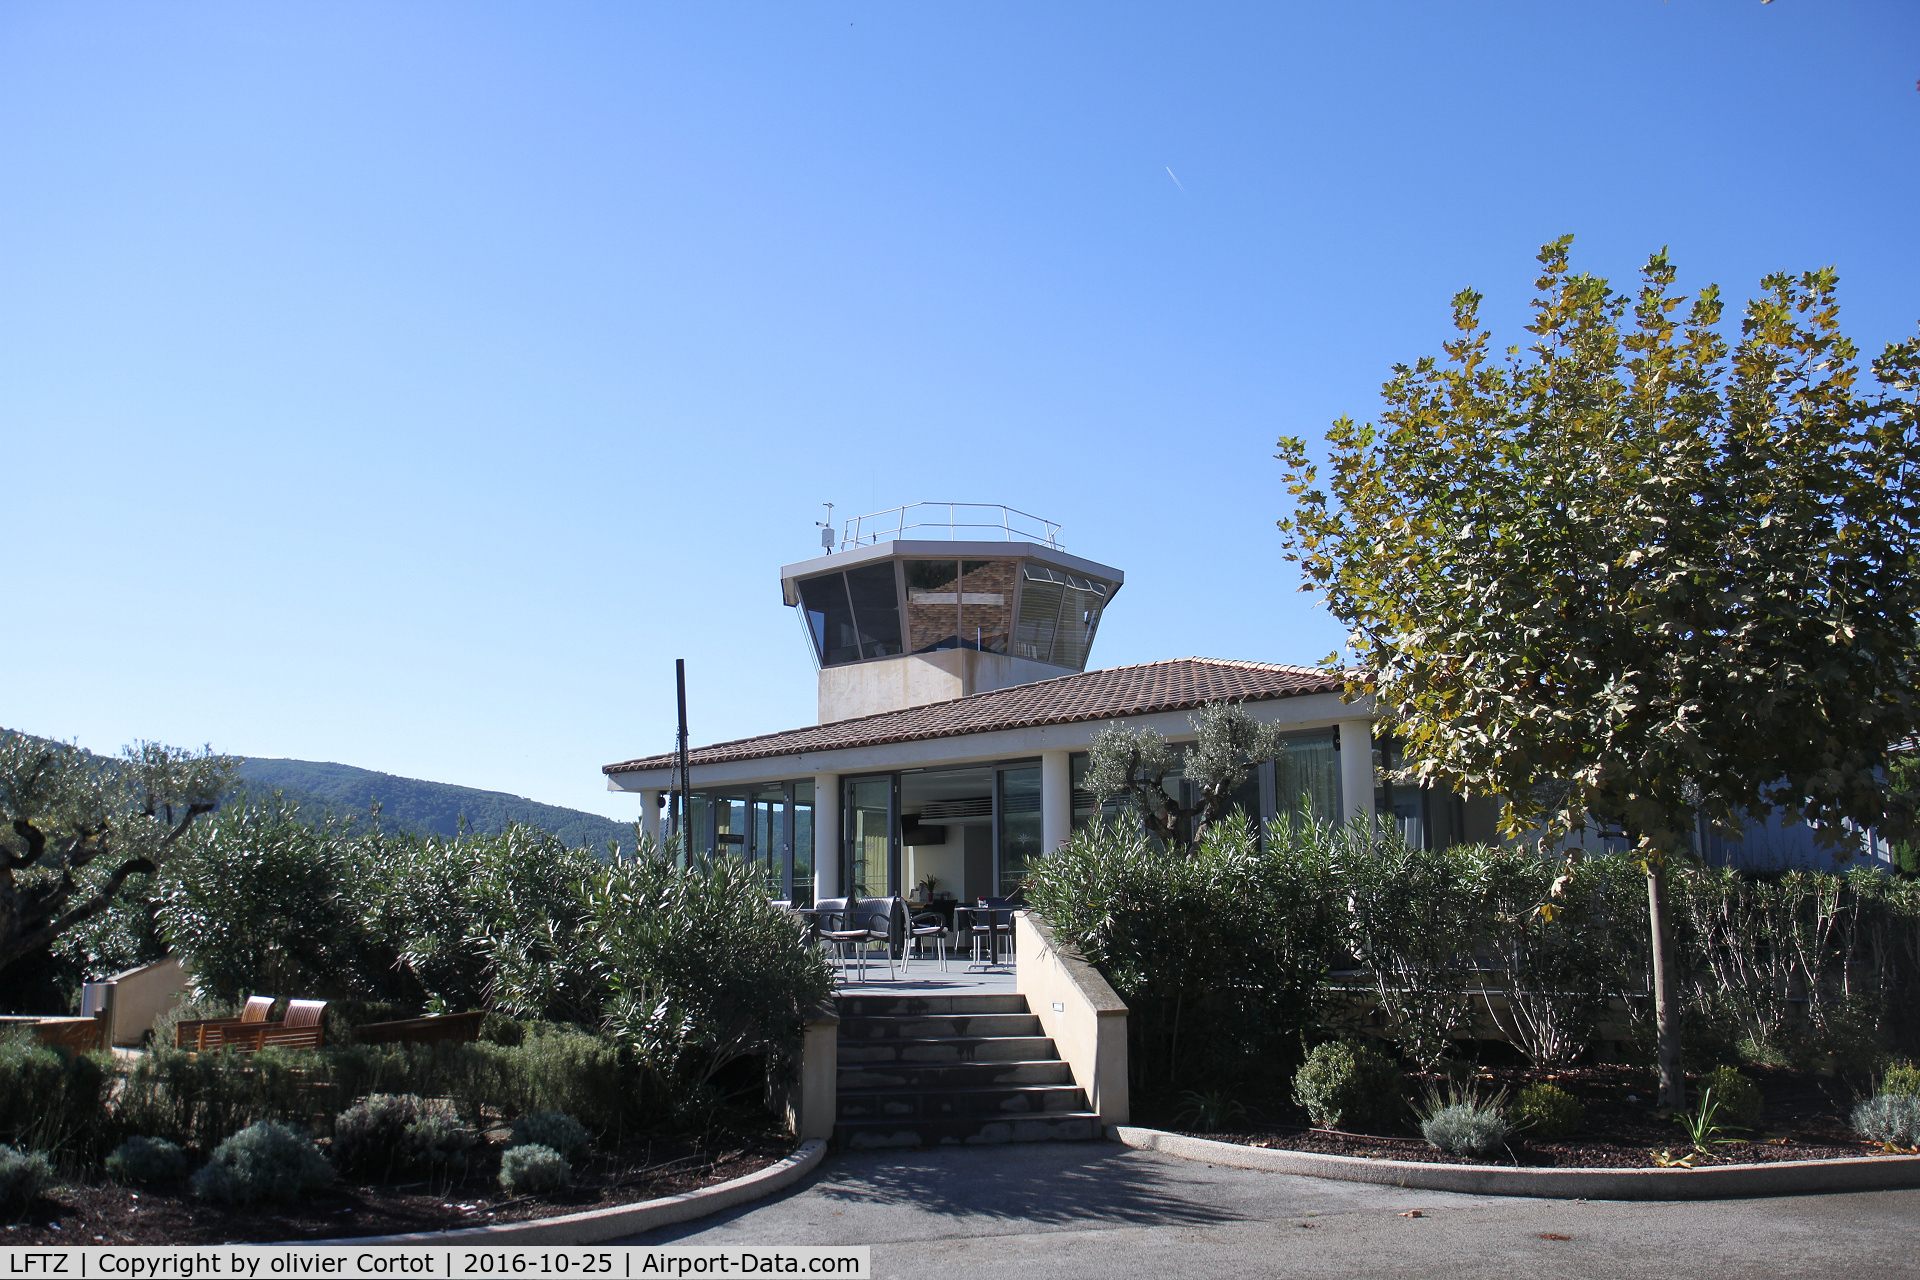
pixel 1176 685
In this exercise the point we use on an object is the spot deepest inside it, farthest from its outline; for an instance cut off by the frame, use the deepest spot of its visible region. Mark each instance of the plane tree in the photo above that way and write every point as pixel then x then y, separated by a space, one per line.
pixel 1640 579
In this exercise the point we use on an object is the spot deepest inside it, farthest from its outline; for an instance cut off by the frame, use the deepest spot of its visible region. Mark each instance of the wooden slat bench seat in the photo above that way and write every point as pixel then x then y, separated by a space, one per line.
pixel 200 1034
pixel 301 1029
pixel 75 1035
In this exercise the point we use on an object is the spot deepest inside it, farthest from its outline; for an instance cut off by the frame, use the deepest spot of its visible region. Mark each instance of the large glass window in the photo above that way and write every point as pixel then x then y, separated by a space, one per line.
pixel 1019 826
pixel 986 604
pixel 768 838
pixel 959 604
pixel 770 828
pixel 803 843
pixel 1059 613
pixel 869 817
pixel 1086 805
pixel 830 619
pixel 1428 817
pixel 697 842
pixel 729 824
pixel 933 605
pixel 876 608
pixel 1306 780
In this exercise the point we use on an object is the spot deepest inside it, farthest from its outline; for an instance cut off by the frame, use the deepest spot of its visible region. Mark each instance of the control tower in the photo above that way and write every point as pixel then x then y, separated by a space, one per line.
pixel 938 600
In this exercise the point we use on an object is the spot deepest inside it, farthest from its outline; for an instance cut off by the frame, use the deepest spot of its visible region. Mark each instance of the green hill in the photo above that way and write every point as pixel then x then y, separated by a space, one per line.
pixel 413 804
pixel 425 808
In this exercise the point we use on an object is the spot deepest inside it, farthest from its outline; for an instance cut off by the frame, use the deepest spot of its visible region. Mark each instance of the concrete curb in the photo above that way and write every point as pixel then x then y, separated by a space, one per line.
pixel 1712 1182
pixel 597 1225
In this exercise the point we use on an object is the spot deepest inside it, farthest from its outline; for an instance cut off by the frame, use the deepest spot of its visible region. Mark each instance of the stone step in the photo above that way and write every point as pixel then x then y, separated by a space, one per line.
pixel 957 1075
pixel 947 1049
pixel 1051 1126
pixel 890 1006
pixel 944 1027
pixel 940 1104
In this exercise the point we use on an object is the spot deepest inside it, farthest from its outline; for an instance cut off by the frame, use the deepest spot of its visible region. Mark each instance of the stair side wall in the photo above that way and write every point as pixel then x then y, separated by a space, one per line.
pixel 815 1102
pixel 1079 1011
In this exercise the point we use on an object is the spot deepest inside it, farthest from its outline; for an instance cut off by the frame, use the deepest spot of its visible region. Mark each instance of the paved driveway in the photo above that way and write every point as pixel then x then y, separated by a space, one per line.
pixel 1098 1209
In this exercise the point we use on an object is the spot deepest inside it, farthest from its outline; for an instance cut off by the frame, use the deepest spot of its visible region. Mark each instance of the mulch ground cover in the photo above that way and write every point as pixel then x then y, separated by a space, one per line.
pixel 104 1213
pixel 1805 1119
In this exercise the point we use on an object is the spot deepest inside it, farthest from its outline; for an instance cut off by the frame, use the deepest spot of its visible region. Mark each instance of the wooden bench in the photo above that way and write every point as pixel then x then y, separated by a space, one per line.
pixel 198 1034
pixel 75 1035
pixel 250 1032
pixel 444 1028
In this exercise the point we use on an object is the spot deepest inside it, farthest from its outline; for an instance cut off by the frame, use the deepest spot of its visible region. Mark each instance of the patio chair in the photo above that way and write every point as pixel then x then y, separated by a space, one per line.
pixel 864 922
pixel 991 921
pixel 928 924
pixel 827 913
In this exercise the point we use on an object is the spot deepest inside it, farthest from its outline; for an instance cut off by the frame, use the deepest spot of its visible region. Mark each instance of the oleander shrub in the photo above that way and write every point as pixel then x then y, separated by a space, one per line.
pixel 146 1160
pixel 1414 917
pixel 1546 1112
pixel 1892 1118
pixel 533 1170
pixel 1350 1086
pixel 265 1162
pixel 23 1176
pixel 701 972
pixel 1902 1080
pixel 555 1129
pixel 264 899
pixel 1464 1122
pixel 1738 1098
pixel 1219 953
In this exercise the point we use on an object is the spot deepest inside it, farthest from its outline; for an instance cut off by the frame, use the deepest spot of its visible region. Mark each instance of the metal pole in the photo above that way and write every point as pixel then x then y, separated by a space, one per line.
pixel 686 778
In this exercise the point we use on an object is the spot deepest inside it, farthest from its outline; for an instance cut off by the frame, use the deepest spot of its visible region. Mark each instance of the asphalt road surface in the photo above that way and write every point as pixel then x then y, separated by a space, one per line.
pixel 1046 1210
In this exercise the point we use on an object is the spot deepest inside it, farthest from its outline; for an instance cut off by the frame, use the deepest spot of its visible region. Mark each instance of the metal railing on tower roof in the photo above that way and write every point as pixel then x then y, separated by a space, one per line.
pixel 962 521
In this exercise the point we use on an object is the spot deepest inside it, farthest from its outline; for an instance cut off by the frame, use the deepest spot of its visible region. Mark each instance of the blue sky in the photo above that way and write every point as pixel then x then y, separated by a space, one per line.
pixel 408 385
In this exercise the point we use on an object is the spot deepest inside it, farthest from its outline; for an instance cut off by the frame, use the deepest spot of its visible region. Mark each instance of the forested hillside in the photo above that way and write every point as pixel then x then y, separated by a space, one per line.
pixel 414 804
pixel 427 808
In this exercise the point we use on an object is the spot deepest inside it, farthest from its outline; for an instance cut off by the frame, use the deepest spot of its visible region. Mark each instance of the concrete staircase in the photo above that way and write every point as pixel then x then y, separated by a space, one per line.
pixel 919 1071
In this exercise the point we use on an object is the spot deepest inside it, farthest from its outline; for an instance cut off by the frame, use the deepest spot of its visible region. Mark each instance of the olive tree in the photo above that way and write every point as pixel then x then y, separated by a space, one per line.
pixel 1639 576
pixel 79 826
pixel 1136 763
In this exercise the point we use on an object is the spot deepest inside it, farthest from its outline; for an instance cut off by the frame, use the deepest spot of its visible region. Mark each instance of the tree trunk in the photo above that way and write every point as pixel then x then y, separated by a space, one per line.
pixel 1666 1004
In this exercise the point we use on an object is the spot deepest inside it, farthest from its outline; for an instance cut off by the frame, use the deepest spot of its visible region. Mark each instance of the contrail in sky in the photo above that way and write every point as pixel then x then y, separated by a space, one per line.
pixel 1176 178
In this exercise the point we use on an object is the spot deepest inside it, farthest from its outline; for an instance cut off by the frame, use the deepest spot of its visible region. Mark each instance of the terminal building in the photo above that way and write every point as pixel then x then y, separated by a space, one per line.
pixel 956 709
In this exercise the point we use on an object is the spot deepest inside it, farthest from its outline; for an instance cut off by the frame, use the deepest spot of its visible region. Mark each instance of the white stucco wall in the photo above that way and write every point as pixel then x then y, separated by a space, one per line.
pixel 916 679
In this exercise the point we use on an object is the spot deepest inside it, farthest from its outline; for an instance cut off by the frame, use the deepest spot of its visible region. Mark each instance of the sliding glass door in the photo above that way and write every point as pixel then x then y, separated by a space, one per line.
pixel 871 811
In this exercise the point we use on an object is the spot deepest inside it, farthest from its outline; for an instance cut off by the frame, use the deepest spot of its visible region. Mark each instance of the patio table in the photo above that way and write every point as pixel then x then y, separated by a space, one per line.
pixel 963 923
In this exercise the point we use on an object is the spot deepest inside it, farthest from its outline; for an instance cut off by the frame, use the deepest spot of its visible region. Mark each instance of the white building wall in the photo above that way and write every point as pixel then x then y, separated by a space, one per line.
pixel 826 835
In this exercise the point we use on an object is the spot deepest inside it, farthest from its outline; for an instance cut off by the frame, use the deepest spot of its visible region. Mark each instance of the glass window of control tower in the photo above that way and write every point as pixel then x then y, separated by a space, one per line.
pixel 1059 613
pixel 854 615
pixel 959 604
